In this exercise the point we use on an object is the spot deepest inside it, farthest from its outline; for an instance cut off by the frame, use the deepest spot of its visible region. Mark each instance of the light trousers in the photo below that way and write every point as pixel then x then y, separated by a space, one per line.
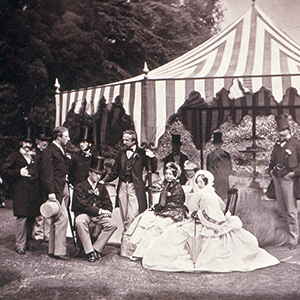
pixel 83 223
pixel 23 231
pixel 129 206
pixel 287 205
pixel 41 228
pixel 58 228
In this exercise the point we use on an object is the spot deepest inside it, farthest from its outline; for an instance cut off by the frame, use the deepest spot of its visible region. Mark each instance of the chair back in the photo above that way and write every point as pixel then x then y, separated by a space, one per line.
pixel 231 200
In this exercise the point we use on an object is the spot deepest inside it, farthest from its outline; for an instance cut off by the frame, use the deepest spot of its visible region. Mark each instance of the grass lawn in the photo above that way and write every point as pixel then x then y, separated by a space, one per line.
pixel 37 276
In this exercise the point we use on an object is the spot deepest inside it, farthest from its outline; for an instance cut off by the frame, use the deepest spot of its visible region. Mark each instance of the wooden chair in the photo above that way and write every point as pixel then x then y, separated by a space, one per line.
pixel 231 200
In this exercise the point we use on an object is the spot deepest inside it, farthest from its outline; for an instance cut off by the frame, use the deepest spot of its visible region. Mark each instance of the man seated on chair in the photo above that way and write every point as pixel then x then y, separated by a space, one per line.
pixel 92 207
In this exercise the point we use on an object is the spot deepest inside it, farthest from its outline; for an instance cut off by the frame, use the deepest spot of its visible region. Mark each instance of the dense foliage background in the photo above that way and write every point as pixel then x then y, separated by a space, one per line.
pixel 87 43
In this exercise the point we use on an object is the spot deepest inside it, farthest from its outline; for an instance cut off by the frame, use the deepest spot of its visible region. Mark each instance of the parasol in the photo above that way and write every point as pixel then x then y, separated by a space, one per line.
pixel 194 245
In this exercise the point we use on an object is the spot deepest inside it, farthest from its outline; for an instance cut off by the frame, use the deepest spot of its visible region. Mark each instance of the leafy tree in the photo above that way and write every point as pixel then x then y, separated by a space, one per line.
pixel 88 43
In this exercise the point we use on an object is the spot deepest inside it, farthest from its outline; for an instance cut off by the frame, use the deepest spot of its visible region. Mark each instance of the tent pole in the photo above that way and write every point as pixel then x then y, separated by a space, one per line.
pixel 254 105
pixel 201 140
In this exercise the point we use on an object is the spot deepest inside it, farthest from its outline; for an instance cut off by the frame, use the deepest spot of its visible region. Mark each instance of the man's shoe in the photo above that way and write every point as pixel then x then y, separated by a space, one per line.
pixel 292 246
pixel 21 251
pixel 97 254
pixel 62 257
pixel 92 257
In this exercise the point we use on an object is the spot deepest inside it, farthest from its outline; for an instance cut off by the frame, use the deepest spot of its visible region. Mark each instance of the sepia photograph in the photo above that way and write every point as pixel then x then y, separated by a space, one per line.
pixel 149 149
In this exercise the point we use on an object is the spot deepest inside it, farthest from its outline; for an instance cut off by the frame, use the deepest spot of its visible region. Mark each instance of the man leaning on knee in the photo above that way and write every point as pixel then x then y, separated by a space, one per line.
pixel 92 208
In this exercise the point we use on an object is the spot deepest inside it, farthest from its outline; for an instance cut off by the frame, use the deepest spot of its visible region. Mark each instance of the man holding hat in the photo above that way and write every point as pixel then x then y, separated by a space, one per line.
pixel 218 162
pixel 21 170
pixel 285 169
pixel 177 156
pixel 81 161
pixel 92 207
pixel 41 228
pixel 53 174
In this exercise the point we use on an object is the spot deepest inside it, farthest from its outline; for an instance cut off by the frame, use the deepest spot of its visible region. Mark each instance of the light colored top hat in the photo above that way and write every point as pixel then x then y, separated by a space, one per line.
pixel 50 208
pixel 190 165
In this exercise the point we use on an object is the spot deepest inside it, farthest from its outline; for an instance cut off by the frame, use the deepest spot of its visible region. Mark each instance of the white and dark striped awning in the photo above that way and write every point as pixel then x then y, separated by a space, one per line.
pixel 249 54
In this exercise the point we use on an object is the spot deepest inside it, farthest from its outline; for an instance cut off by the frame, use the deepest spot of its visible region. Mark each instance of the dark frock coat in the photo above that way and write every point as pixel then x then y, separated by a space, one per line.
pixel 182 159
pixel 53 171
pixel 85 201
pixel 26 201
pixel 291 160
pixel 79 168
pixel 140 162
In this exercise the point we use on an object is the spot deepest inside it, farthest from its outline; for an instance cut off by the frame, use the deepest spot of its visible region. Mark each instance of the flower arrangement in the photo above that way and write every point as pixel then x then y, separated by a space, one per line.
pixel 94 191
pixel 288 151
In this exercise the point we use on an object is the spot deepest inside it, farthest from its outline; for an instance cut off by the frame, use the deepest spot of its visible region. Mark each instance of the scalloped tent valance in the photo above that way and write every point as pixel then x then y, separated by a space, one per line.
pixel 236 63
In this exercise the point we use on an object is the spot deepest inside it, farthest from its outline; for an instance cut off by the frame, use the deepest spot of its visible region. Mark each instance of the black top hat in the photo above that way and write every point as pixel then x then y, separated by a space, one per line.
pixel 43 133
pixel 282 122
pixel 176 139
pixel 217 137
pixel 97 164
pixel 86 134
pixel 27 134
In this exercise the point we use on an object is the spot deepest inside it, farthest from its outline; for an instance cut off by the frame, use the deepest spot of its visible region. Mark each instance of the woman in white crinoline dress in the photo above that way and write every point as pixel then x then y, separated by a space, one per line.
pixel 208 241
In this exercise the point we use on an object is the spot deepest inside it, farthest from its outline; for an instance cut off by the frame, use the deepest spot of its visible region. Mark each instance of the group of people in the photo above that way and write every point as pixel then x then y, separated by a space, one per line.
pixel 166 236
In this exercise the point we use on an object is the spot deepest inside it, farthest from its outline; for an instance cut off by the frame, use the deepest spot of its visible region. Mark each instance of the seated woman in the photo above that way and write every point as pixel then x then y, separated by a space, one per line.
pixel 169 211
pixel 209 241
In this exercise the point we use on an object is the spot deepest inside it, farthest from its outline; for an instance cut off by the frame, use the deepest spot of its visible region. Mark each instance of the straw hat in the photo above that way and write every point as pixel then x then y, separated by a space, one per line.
pixel 190 165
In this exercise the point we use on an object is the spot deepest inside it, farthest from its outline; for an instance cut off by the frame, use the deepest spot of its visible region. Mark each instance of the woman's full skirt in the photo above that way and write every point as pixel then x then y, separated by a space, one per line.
pixel 192 247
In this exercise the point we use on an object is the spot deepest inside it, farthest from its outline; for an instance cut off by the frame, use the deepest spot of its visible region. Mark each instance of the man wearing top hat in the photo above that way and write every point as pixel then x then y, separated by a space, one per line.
pixel 129 166
pixel 80 161
pixel 53 174
pixel 41 227
pixel 285 170
pixel 21 170
pixel 177 156
pixel 92 206
pixel 218 162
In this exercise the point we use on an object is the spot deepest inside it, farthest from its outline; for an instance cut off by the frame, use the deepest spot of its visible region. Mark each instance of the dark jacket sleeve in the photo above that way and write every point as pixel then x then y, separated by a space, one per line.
pixel 72 167
pixel 46 172
pixel 82 202
pixel 149 162
pixel 105 200
pixel 295 163
pixel 116 170
pixel 89 203
pixel 9 171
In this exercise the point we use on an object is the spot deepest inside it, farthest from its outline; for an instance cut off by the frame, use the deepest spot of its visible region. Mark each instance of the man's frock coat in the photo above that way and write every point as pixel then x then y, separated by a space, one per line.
pixel 53 171
pixel 26 201
pixel 140 162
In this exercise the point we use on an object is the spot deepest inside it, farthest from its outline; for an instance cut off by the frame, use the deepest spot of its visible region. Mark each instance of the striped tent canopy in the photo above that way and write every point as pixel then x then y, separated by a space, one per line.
pixel 251 63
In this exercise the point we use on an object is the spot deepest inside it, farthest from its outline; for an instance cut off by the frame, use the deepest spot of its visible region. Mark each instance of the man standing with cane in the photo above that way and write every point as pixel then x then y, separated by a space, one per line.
pixel 54 170
pixel 285 169
pixel 129 166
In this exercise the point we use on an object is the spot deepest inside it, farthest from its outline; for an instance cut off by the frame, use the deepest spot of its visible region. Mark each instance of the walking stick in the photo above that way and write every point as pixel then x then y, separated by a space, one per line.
pixel 150 183
pixel 70 222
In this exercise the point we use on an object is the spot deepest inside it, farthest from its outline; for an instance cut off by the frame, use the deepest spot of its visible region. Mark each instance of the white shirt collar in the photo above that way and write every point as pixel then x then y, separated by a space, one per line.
pixel 91 184
pixel 26 155
pixel 130 153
